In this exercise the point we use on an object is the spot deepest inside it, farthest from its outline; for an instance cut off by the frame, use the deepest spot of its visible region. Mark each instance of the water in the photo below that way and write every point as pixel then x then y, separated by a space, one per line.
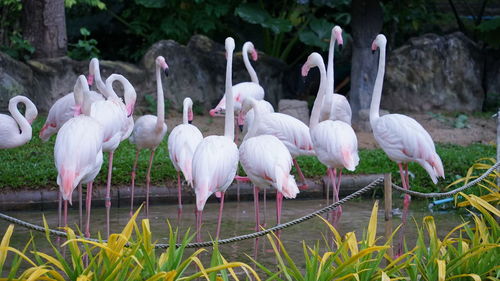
pixel 238 219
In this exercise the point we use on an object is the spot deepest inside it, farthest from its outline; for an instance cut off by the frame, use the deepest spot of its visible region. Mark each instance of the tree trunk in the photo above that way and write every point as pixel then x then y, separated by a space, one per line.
pixel 367 19
pixel 44 26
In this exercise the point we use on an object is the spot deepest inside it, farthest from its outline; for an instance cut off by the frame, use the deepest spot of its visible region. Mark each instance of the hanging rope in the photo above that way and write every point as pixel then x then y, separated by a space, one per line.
pixel 222 241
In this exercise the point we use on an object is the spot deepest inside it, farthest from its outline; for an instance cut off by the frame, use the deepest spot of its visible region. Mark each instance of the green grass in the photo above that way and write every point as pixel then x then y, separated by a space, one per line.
pixel 32 165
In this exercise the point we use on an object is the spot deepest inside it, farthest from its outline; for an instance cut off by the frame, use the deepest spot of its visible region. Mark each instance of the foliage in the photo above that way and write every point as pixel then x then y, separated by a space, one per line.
pixel 466 252
pixel 129 255
pixel 486 190
pixel 18 48
pixel 152 104
pixel 85 49
pixel 92 3
pixel 457 121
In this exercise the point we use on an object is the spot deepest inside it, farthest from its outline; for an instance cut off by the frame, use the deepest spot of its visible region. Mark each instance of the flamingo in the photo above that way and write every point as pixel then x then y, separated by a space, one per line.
pixel 249 116
pixel 112 114
pixel 78 158
pixel 149 131
pixel 291 131
pixel 182 143
pixel 335 142
pixel 244 89
pixel 267 163
pixel 63 109
pixel 16 130
pixel 215 160
pixel 335 106
pixel 130 98
pixel 401 137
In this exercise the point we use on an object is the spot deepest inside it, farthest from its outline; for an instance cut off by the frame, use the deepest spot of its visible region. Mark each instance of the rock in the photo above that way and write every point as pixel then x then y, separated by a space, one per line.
pixel 434 72
pixel 15 79
pixel 295 108
pixel 198 70
pixel 492 77
pixel 363 123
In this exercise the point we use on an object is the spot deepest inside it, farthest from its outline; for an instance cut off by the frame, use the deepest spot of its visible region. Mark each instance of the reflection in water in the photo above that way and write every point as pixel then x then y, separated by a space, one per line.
pixel 239 219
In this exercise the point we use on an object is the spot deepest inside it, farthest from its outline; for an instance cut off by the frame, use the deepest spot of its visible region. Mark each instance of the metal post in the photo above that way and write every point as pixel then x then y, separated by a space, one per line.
pixel 388 196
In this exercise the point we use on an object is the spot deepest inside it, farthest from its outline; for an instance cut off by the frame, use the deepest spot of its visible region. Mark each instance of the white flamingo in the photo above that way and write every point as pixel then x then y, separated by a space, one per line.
pixel 335 106
pixel 182 143
pixel 215 160
pixel 335 142
pixel 16 130
pixel 401 137
pixel 149 131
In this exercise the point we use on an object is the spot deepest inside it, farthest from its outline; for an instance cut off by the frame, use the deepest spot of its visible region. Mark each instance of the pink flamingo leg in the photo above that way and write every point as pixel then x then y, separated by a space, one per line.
pixel 179 196
pixel 148 180
pixel 406 205
pixel 65 213
pixel 301 175
pixel 265 208
pixel 236 132
pixel 59 216
pixel 332 173
pixel 337 197
pixel 198 215
pixel 256 207
pixel 220 215
pixel 133 183
pixel 88 205
pixel 80 207
pixel 279 201
pixel 108 192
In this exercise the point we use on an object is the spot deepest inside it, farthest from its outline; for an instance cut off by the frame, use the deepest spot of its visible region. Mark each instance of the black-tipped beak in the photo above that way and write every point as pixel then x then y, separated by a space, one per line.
pixel 241 128
pixel 340 47
pixel 190 122
pixel 373 51
pixel 166 71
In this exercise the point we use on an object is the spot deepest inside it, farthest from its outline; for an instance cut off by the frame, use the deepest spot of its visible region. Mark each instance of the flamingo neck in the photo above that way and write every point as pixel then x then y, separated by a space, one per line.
pixel 101 87
pixel 160 102
pixel 185 111
pixel 248 65
pixel 128 90
pixel 81 86
pixel 229 116
pixel 320 96
pixel 377 89
pixel 329 70
pixel 24 125
pixel 257 113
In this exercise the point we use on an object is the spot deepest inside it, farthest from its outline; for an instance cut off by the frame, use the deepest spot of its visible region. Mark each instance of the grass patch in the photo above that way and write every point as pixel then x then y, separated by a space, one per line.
pixel 32 165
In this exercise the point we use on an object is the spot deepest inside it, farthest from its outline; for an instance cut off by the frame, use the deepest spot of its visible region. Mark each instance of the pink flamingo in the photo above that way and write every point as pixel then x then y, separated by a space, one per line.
pixel 335 142
pixel 244 89
pixel 63 109
pixel 215 160
pixel 291 131
pixel 401 137
pixel 149 131
pixel 335 106
pixel 16 130
pixel 112 114
pixel 78 158
pixel 182 143
pixel 130 99
pixel 267 162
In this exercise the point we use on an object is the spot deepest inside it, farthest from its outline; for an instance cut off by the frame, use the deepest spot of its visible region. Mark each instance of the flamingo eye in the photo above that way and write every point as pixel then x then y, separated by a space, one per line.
pixel 53 125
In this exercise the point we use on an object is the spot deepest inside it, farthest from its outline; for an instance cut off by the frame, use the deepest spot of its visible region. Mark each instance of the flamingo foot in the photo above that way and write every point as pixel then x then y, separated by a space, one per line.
pixel 303 186
pixel 242 179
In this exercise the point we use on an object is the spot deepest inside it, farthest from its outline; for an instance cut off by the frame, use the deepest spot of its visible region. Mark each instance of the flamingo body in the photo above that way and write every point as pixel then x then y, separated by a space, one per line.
pixel 241 91
pixel 182 143
pixel 110 115
pixel 335 107
pixel 250 116
pixel 145 135
pixel 16 130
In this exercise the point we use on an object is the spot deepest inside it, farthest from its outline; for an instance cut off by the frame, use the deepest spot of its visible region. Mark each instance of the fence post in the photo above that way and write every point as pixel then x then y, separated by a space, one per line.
pixel 388 196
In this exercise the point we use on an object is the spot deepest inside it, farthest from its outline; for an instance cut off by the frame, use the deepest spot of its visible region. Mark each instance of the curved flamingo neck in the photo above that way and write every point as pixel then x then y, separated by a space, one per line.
pixel 81 86
pixel 187 105
pixel 229 116
pixel 160 102
pixel 98 79
pixel 377 89
pixel 248 65
pixel 257 113
pixel 330 66
pixel 24 125
pixel 320 96
pixel 128 90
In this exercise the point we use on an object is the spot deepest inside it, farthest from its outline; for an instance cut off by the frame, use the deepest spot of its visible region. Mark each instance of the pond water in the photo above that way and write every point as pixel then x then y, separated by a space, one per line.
pixel 239 219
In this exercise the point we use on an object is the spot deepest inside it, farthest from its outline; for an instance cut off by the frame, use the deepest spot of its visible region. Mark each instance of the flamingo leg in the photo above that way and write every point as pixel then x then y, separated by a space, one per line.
pixel 134 167
pixel 65 213
pixel 237 191
pixel 80 207
pixel 59 215
pixel 279 202
pixel 148 180
pixel 108 192
pixel 179 196
pixel 337 197
pixel 406 204
pixel 88 205
pixel 236 132
pixel 198 215
pixel 265 207
pixel 332 173
pixel 256 207
pixel 219 221
pixel 301 175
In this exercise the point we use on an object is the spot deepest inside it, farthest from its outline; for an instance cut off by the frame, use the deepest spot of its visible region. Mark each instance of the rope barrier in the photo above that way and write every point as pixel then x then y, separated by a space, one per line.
pixel 222 241
pixel 449 193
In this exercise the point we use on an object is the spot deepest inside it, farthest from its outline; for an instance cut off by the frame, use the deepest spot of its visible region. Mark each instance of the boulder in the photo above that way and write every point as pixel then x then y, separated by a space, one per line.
pixel 434 72
pixel 15 79
pixel 198 70
pixel 492 77
pixel 295 108
pixel 363 123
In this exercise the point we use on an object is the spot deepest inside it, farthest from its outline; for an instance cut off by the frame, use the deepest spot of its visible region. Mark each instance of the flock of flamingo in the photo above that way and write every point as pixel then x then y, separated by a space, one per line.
pixel 89 123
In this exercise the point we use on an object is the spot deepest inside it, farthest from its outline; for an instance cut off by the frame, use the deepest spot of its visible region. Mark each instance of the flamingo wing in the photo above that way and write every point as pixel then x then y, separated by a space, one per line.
pixel 182 143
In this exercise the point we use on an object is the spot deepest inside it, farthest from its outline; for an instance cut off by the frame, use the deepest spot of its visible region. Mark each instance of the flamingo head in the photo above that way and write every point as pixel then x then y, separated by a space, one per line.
pixel 338 35
pixel 190 116
pixel 229 44
pixel 130 108
pixel 217 112
pixel 93 66
pixel 241 118
pixel 160 62
pixel 47 130
pixel 313 60
pixel 252 51
pixel 77 110
pixel 379 41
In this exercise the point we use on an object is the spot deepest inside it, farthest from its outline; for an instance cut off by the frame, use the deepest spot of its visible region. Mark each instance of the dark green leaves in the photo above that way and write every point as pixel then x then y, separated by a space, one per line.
pixel 317 34
pixel 256 15
pixel 152 3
